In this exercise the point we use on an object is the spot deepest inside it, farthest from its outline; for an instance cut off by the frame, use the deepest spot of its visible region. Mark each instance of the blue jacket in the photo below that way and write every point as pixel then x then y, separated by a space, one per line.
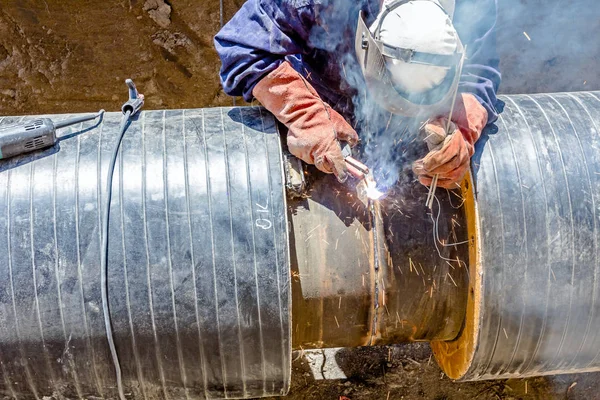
pixel 317 38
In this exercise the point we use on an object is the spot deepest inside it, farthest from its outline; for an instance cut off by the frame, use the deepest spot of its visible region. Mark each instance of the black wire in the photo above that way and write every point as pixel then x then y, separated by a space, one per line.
pixel 104 254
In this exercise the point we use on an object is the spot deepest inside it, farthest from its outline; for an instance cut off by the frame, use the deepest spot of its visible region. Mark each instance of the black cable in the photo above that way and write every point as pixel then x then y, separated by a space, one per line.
pixel 104 254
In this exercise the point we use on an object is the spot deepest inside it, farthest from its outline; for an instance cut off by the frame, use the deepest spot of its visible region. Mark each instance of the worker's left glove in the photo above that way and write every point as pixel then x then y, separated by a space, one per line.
pixel 314 128
pixel 450 152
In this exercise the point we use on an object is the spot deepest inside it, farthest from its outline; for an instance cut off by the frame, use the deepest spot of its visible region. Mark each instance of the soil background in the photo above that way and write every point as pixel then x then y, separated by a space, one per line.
pixel 59 56
pixel 65 56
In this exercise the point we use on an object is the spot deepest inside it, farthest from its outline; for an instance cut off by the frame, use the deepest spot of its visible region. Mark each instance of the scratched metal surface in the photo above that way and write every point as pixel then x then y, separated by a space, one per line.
pixel 332 267
pixel 363 277
pixel 538 190
pixel 198 266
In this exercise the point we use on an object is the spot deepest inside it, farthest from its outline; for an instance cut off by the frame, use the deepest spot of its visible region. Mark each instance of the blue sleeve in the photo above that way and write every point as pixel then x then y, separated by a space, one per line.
pixel 257 39
pixel 475 22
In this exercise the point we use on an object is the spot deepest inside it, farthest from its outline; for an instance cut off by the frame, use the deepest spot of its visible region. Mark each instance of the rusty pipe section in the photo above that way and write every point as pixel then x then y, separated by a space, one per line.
pixel 366 274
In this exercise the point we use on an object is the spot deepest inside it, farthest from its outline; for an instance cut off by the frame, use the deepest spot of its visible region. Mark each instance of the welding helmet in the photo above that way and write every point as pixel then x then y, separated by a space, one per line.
pixel 411 56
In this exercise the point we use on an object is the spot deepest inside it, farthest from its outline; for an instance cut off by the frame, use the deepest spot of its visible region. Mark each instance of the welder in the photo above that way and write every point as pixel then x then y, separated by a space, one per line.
pixel 416 58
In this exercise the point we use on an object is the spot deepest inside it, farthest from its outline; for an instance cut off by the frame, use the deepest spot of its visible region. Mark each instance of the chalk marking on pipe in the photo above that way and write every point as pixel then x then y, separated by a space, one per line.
pixel 233 260
pixel 254 257
pixel 286 363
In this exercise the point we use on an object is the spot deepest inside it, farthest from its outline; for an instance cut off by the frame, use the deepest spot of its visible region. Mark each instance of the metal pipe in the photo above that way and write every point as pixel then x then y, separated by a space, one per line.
pixel 202 270
pixel 532 306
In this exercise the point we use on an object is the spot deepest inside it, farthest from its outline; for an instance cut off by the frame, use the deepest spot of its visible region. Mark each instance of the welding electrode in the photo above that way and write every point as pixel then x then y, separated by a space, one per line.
pixel 21 138
pixel 434 180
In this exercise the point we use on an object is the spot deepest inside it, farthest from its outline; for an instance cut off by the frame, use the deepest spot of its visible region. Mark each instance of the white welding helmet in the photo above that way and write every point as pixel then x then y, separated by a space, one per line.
pixel 411 56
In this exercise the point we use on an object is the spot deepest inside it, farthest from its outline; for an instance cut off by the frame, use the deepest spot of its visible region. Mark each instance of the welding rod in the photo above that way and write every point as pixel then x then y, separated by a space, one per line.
pixel 430 194
pixel 434 181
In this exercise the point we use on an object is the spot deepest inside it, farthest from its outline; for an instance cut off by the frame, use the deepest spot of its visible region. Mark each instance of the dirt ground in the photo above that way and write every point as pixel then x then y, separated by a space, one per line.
pixel 410 372
pixel 73 56
pixel 70 56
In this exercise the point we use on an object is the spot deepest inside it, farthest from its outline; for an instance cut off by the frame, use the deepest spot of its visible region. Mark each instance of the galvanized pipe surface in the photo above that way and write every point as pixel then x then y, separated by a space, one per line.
pixel 538 190
pixel 198 260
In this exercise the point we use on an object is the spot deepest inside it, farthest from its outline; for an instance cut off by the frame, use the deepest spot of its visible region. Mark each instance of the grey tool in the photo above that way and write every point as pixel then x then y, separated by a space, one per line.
pixel 34 135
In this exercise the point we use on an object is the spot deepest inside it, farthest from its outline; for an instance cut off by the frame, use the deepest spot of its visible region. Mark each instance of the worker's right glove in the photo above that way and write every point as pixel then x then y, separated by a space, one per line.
pixel 314 128
pixel 448 156
pixel 450 152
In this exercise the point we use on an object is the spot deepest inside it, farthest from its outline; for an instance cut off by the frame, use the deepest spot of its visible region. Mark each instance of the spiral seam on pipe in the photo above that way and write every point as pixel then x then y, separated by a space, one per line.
pixel 157 350
pixel 539 340
pixel 89 344
pixel 252 219
pixel 30 381
pixel 136 357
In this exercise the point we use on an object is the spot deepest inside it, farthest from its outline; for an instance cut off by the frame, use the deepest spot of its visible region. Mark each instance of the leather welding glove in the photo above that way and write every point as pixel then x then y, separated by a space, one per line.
pixel 314 128
pixel 450 154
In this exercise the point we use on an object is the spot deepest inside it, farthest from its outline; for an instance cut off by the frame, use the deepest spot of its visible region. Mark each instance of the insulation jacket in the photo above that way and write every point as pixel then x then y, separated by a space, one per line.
pixel 537 195
pixel 198 266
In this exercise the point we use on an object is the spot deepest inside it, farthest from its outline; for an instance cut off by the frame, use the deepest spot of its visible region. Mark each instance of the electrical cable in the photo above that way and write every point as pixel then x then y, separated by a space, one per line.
pixel 129 109
pixel 450 200
pixel 436 231
pixel 436 237
pixel 104 254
